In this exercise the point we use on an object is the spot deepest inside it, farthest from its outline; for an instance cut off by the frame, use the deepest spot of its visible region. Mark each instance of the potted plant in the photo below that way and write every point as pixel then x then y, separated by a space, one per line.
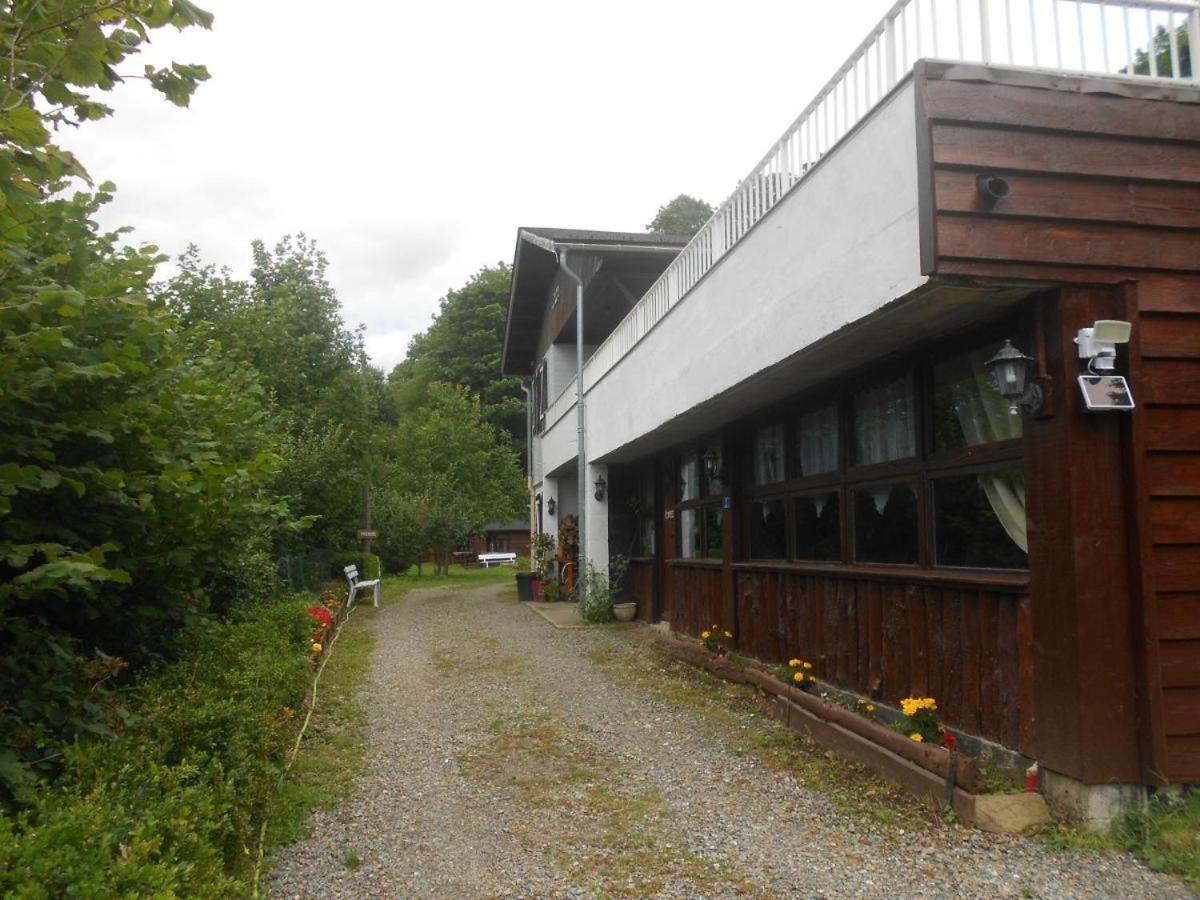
pixel 543 562
pixel 624 607
pixel 549 591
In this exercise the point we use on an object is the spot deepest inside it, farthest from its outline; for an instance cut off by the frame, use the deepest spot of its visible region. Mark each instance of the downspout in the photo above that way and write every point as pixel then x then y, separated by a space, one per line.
pixel 581 574
pixel 529 456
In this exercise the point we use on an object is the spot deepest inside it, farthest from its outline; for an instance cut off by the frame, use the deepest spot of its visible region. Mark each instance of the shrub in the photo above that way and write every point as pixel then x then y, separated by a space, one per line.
pixel 170 805
pixel 368 564
pixel 596 604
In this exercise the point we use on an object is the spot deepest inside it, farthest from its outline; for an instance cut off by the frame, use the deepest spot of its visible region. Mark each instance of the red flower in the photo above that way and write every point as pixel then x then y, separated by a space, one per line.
pixel 321 614
pixel 948 740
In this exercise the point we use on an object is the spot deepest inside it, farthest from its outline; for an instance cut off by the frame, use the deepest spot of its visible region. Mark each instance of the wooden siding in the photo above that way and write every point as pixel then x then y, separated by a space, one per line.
pixel 695 602
pixel 891 639
pixel 1105 191
pixel 641 583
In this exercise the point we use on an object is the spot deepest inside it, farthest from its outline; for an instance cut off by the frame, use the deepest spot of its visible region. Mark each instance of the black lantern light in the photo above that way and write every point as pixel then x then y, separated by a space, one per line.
pixel 551 505
pixel 1010 369
pixel 601 487
pixel 712 465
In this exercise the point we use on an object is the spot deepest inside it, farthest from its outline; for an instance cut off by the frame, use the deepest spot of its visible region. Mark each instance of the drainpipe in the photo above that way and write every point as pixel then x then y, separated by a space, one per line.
pixel 529 456
pixel 581 574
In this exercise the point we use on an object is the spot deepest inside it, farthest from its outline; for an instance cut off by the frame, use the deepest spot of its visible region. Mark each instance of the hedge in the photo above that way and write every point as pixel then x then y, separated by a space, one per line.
pixel 368 564
pixel 170 806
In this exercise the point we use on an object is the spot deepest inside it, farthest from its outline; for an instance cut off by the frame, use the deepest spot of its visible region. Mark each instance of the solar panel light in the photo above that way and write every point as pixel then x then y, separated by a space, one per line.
pixel 1098 344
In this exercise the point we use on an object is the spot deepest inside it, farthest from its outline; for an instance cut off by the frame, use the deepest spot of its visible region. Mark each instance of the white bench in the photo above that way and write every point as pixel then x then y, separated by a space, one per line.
pixel 357 586
pixel 487 560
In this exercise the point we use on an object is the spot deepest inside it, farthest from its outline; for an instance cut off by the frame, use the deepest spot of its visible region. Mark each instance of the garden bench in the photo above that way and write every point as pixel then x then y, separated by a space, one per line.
pixel 356 586
pixel 501 559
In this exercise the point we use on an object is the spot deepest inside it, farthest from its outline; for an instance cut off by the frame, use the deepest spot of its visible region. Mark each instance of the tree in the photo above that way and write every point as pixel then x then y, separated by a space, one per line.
pixel 452 471
pixel 683 215
pixel 1162 53
pixel 463 346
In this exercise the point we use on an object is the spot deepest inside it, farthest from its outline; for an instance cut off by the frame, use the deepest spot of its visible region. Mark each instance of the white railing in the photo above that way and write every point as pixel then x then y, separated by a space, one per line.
pixel 1083 36
pixel 561 405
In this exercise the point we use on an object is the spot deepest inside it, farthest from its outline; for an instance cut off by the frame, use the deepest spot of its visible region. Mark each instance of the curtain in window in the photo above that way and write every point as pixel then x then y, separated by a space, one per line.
pixel 884 420
pixel 817 434
pixel 984 417
pixel 768 455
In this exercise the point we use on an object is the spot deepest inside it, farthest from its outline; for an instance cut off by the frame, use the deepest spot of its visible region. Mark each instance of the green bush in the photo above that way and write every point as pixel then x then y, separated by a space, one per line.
pixel 170 805
pixel 368 564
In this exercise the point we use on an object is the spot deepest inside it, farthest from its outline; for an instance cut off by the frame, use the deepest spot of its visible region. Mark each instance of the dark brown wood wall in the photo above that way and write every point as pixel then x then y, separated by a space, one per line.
pixel 1105 192
pixel 641 584
pixel 695 603
pixel 890 639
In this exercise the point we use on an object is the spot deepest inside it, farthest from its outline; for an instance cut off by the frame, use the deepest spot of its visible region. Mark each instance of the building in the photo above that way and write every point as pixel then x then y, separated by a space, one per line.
pixel 790 423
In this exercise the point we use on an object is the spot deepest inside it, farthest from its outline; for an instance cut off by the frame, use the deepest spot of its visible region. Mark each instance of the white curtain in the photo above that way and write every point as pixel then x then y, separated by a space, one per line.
pixel 768 455
pixel 818 438
pixel 984 417
pixel 884 423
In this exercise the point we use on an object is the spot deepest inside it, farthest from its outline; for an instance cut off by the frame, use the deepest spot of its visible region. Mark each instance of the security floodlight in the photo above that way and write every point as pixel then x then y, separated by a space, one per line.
pixel 1098 344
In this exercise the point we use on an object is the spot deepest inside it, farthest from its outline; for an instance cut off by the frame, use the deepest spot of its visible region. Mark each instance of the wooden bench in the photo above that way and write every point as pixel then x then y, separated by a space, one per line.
pixel 487 560
pixel 357 586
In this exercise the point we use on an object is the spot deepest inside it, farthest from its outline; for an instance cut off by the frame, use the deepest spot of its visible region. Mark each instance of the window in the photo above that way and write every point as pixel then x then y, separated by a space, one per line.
pixel 700 514
pixel 818 526
pixel 930 473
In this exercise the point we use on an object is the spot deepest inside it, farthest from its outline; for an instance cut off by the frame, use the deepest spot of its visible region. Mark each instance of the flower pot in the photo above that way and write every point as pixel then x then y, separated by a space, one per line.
pixel 535 590
pixel 525 582
pixel 625 612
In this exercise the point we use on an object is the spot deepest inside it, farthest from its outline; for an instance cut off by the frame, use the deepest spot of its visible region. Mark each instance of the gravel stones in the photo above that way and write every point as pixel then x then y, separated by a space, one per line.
pixel 506 758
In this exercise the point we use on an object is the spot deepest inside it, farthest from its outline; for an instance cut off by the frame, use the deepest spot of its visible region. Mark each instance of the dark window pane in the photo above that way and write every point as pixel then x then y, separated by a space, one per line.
pixel 818 529
pixel 885 422
pixel 817 441
pixel 979 520
pixel 967 410
pixel 885 524
pixel 714 537
pixel 768 530
pixel 768 455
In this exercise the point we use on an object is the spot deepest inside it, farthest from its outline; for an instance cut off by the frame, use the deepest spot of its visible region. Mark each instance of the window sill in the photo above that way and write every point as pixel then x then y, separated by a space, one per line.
pixel 699 563
pixel 991 578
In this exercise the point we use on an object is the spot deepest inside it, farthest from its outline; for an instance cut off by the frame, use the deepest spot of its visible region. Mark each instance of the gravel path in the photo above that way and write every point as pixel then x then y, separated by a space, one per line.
pixel 510 759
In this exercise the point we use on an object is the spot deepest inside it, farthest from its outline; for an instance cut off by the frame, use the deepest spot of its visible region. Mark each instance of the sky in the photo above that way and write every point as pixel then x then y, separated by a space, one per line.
pixel 411 140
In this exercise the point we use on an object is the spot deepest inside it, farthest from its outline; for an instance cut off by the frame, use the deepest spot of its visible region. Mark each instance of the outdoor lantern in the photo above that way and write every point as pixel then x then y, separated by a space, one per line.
pixel 601 487
pixel 551 506
pixel 1010 370
pixel 711 462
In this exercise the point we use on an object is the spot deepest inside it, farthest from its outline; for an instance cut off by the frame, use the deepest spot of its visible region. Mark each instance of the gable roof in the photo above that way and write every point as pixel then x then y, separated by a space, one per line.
pixel 535 266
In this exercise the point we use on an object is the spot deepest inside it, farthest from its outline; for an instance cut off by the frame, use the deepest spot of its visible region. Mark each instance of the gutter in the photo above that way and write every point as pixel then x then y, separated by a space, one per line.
pixel 581 454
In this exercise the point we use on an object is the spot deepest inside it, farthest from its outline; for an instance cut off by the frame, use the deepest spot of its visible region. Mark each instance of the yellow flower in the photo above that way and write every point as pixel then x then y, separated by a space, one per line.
pixel 316 648
pixel 861 701
pixel 916 736
pixel 808 665
pixel 799 676
pixel 704 635
pixel 870 707
pixel 729 634
pixel 794 663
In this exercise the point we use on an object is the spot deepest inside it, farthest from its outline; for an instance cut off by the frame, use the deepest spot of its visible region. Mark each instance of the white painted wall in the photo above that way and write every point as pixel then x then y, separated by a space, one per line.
pixel 842 245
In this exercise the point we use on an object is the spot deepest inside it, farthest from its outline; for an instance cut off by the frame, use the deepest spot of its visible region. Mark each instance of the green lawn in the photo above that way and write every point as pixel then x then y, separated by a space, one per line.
pixel 457 575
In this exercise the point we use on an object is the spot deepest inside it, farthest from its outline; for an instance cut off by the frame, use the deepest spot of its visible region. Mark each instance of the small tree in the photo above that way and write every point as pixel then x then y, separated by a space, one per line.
pixel 683 215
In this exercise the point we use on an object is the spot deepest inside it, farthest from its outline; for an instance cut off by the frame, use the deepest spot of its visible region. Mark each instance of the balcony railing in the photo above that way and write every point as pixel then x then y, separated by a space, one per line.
pixel 1137 39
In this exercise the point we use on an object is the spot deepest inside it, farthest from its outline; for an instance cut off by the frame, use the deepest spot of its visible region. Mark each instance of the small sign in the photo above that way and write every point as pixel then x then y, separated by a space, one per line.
pixel 367 535
pixel 670 515
pixel 726 503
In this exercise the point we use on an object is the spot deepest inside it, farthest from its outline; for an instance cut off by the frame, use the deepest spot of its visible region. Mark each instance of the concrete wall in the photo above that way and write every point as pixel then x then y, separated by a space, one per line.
pixel 840 246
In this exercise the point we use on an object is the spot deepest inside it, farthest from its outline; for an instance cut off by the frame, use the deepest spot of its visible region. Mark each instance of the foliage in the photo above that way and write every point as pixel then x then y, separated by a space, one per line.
pixel 683 215
pixel 1163 833
pixel 367 563
pixel 1162 54
pixel 58 58
pixel 716 640
pixel 866 709
pixel 543 554
pixel 596 602
pixel 170 806
pixel 550 591
pixel 320 479
pixel 402 532
pixel 453 470
pixel 463 347
pixel 797 672
pixel 133 477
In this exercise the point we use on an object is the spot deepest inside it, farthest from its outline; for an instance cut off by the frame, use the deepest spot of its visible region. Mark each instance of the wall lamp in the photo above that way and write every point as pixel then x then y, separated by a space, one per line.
pixel 551 505
pixel 1010 370
pixel 601 488
pixel 713 470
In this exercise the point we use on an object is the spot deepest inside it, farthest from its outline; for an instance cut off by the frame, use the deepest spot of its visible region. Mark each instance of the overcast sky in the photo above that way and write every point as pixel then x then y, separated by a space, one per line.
pixel 412 139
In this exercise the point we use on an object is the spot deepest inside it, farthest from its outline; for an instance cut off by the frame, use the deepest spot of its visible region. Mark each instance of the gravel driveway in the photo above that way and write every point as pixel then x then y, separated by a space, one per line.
pixel 510 759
